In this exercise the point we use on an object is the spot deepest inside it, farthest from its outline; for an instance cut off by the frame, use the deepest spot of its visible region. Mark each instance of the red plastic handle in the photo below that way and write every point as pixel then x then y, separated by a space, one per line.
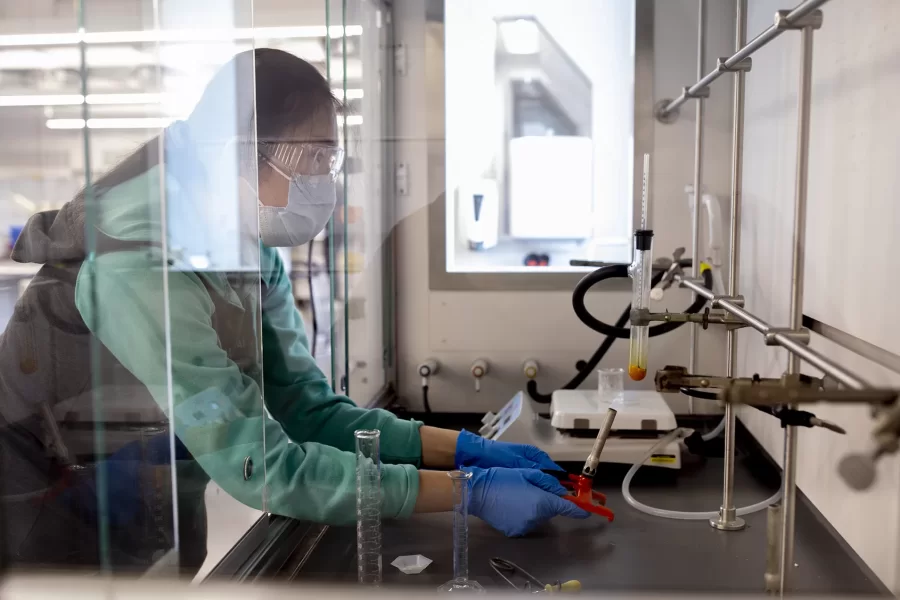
pixel 586 498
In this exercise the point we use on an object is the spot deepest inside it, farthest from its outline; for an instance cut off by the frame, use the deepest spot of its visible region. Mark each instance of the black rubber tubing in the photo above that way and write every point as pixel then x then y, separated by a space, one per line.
pixel 618 331
pixel 584 369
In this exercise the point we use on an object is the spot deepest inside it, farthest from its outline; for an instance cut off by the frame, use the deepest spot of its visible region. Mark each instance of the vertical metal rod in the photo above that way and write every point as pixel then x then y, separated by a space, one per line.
pixel 773 548
pixel 728 519
pixel 698 180
pixel 799 254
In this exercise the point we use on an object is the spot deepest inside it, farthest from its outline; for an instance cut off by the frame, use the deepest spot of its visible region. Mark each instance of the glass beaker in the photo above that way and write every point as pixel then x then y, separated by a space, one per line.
pixel 610 387
pixel 368 507
pixel 461 584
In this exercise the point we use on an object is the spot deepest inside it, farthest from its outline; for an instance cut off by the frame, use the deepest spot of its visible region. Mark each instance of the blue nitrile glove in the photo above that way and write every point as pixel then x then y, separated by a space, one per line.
pixel 515 501
pixel 475 451
pixel 124 499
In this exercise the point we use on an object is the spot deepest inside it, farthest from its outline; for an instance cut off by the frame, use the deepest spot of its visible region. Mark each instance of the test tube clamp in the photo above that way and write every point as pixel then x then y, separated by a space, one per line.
pixel 771 395
pixel 643 316
pixel 787 389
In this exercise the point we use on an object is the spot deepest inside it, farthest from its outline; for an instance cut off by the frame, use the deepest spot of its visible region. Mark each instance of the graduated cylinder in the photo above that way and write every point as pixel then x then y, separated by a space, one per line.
pixel 368 506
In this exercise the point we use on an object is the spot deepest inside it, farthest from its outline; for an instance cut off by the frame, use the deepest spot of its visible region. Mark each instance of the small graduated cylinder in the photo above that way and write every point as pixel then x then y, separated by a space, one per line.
pixel 368 506
pixel 641 271
pixel 461 584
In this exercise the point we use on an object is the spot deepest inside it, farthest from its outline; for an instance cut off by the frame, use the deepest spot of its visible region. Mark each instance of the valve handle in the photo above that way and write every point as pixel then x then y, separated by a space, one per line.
pixel 585 498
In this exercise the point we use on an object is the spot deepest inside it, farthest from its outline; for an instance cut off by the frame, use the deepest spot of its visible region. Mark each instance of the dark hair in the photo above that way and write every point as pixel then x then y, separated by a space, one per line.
pixel 288 92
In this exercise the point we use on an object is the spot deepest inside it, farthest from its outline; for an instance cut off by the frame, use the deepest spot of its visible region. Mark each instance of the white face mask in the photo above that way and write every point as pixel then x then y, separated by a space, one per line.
pixel 309 206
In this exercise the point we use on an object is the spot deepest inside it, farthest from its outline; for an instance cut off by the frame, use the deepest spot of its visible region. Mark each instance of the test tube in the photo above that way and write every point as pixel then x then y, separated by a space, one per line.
pixel 640 298
pixel 641 272
pixel 461 582
pixel 368 507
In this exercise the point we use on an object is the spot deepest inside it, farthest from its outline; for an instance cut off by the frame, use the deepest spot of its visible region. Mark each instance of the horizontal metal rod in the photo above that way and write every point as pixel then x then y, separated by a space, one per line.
pixel 804 352
pixel 751 320
pixel 820 362
pixel 867 350
pixel 800 11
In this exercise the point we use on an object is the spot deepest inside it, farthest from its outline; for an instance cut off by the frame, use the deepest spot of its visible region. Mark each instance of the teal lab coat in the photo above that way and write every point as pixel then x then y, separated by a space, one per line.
pixel 286 446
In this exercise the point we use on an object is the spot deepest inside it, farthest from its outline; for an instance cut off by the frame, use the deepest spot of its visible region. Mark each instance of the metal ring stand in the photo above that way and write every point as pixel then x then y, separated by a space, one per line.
pixel 806 18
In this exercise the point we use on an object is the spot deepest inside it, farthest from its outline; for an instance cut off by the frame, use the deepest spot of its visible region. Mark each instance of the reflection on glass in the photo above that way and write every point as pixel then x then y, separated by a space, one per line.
pixel 336 72
pixel 539 133
pixel 363 218
pixel 160 190
pixel 133 361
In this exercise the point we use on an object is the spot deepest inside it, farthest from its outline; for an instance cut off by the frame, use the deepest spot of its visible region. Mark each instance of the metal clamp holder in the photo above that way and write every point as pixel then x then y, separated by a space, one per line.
pixel 643 316
pixel 701 93
pixel 801 336
pixel 736 300
pixel 738 392
pixel 696 281
pixel 742 66
pixel 813 19
pixel 640 317
pixel 673 378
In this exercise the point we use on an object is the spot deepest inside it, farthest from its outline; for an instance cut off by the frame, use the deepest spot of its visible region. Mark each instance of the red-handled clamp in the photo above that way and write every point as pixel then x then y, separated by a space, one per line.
pixel 586 498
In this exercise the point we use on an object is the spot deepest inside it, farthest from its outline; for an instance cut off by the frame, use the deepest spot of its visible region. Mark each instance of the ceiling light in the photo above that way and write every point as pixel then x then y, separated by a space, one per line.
pixel 117 99
pixel 520 36
pixel 65 123
pixel 135 98
pixel 178 35
pixel 128 123
pixel 42 100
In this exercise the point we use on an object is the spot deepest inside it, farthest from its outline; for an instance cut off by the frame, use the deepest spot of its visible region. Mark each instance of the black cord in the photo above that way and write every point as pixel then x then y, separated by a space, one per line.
pixel 584 369
pixel 312 298
pixel 604 273
pixel 425 398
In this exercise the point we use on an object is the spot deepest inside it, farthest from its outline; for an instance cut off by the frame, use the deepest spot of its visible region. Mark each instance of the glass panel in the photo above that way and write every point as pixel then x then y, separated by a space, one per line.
pixel 300 29
pixel 133 432
pixel 364 99
pixel 41 170
pixel 337 66
pixel 540 173
pixel 213 274
pixel 133 424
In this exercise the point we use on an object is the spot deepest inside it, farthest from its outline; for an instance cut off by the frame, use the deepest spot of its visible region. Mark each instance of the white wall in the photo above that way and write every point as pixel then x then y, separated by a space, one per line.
pixel 507 328
pixel 853 216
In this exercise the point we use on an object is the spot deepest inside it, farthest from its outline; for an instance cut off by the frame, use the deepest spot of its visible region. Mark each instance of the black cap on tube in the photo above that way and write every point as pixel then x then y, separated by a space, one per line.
pixel 643 239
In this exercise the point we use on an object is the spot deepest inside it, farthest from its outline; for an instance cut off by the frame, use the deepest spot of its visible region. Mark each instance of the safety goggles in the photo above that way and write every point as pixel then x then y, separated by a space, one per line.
pixel 303 161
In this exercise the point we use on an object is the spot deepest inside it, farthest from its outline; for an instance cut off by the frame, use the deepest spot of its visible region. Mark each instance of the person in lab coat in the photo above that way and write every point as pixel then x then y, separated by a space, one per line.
pixel 177 313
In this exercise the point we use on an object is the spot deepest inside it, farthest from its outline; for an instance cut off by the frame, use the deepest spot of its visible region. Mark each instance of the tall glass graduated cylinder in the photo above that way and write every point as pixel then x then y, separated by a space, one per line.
pixel 368 506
